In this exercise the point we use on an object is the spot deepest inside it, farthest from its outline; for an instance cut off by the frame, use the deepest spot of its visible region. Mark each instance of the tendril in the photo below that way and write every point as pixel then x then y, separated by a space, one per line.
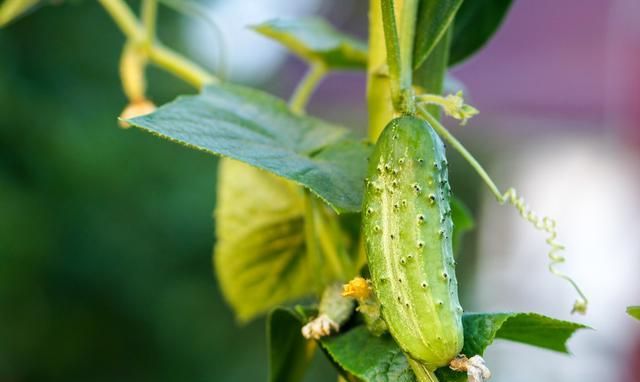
pixel 544 224
pixel 547 225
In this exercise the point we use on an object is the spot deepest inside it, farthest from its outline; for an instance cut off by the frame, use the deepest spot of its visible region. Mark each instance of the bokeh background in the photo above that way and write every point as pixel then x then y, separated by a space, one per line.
pixel 106 234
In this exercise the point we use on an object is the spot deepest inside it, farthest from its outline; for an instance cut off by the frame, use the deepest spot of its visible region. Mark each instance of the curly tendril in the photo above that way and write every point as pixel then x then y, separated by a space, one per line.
pixel 547 225
pixel 544 224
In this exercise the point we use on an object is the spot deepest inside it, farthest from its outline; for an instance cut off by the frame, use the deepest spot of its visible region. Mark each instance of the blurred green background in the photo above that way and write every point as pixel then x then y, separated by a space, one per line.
pixel 105 233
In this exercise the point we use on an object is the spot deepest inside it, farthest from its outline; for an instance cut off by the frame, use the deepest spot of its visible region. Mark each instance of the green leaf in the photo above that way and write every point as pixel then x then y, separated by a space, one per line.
pixel 259 129
pixel 260 254
pixel 383 360
pixel 475 23
pixel 289 352
pixel 433 19
pixel 12 9
pixel 315 40
pixel 368 357
pixel 634 311
pixel 462 222
pixel 480 329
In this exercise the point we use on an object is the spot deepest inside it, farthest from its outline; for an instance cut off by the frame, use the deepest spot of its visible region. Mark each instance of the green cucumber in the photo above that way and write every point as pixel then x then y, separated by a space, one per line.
pixel 408 233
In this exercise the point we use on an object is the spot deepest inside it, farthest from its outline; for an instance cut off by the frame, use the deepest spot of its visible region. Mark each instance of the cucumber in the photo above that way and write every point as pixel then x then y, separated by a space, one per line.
pixel 408 233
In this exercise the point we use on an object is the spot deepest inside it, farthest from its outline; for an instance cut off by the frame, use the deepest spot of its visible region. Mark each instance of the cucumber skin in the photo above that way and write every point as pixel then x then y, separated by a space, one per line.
pixel 408 230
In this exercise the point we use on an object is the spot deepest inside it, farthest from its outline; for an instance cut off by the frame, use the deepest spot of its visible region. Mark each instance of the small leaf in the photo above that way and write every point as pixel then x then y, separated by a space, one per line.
pixel 259 129
pixel 462 222
pixel 634 311
pixel 475 23
pixel 260 253
pixel 12 9
pixel 315 40
pixel 528 328
pixel 289 352
pixel 383 360
pixel 433 19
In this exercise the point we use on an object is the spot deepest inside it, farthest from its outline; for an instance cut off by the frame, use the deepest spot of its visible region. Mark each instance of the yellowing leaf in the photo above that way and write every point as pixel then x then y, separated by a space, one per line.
pixel 260 251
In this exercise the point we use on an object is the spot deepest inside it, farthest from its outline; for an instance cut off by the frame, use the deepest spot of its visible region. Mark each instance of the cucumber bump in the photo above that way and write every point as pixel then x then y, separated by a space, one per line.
pixel 408 232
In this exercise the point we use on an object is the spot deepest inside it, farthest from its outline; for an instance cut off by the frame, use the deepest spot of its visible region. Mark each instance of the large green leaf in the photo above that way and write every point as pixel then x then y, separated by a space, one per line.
pixel 475 23
pixel 12 9
pixel 259 129
pixel 634 311
pixel 383 360
pixel 314 40
pixel 260 254
pixel 289 352
pixel 433 19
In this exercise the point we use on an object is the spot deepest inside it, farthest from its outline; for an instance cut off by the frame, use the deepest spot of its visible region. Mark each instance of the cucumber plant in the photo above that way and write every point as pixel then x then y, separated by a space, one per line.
pixel 305 206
